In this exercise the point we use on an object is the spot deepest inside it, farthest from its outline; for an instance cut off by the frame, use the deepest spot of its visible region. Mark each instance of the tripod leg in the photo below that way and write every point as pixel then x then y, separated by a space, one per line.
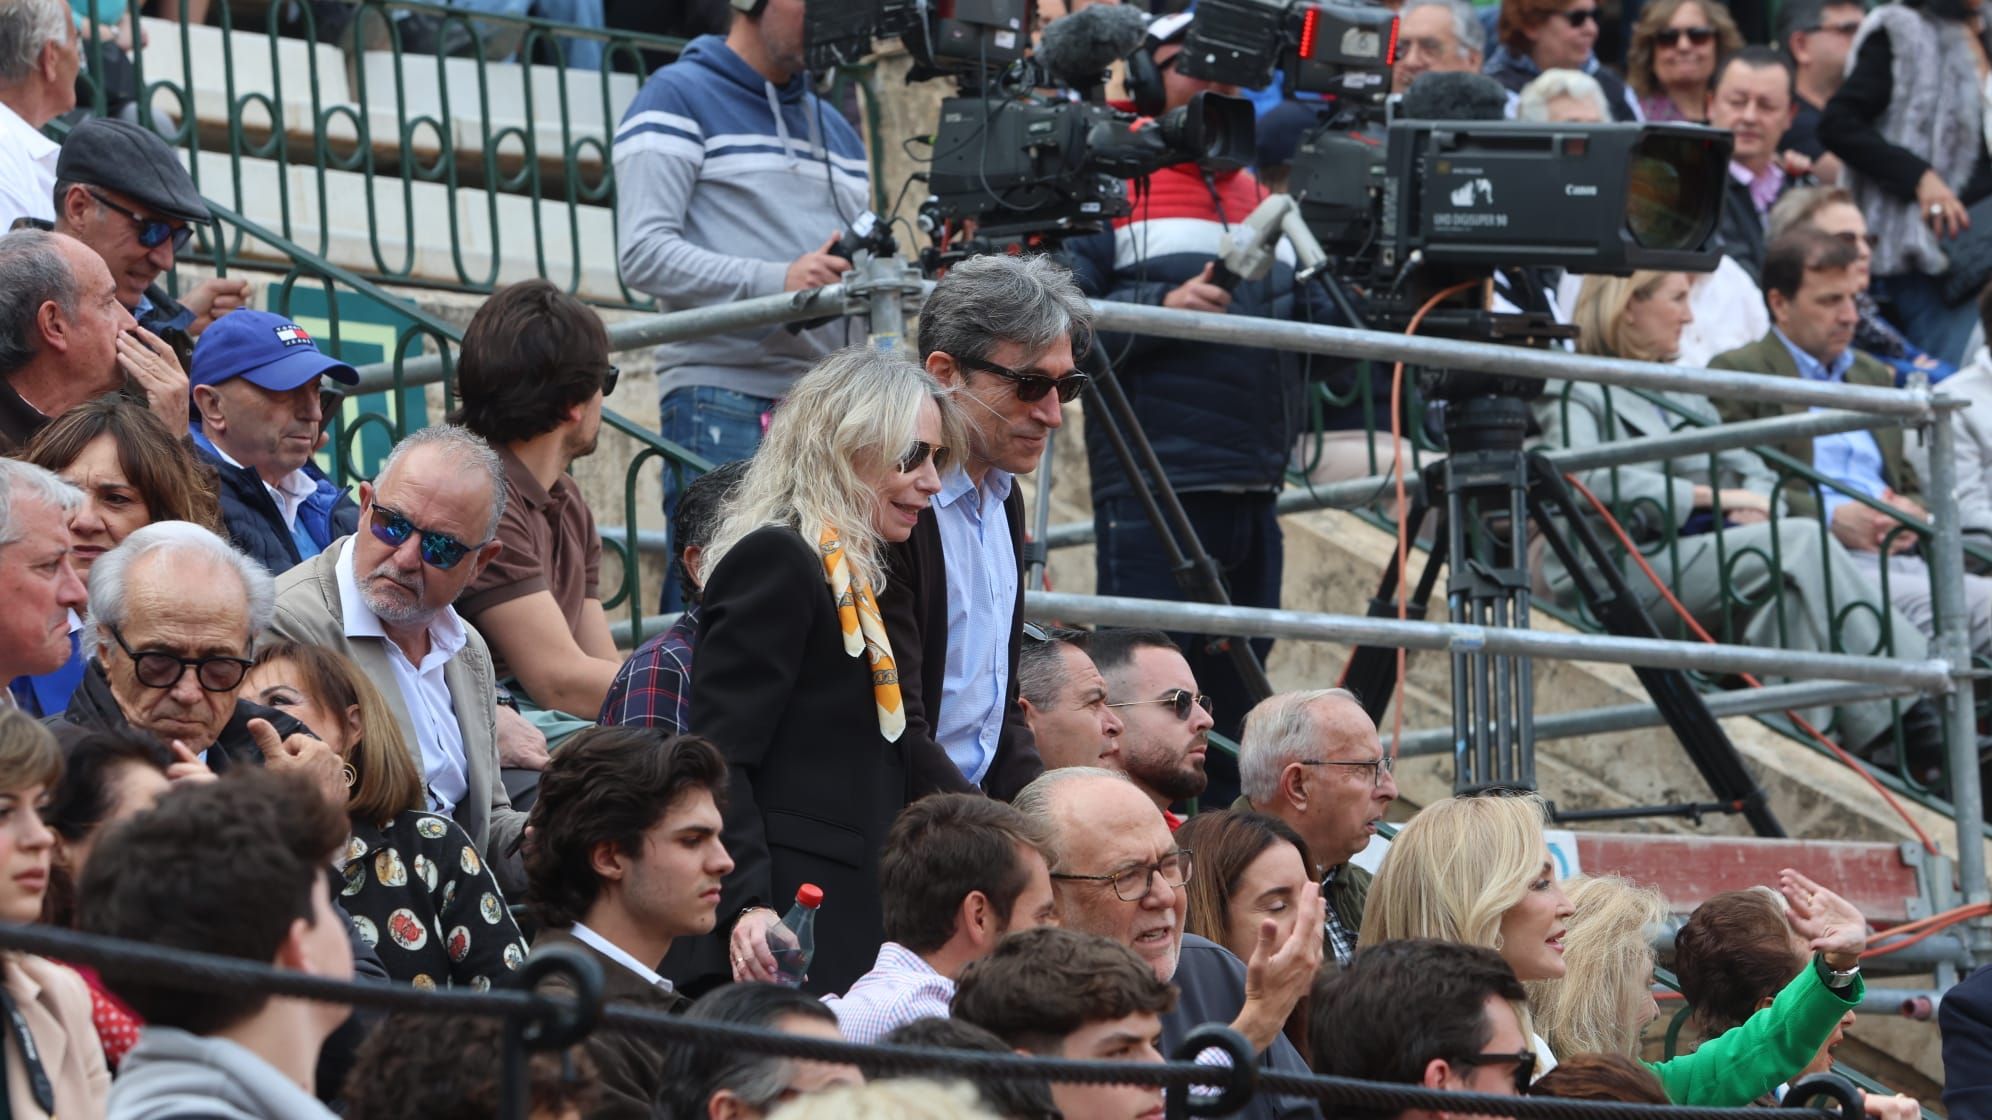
pixel 1708 746
pixel 1372 670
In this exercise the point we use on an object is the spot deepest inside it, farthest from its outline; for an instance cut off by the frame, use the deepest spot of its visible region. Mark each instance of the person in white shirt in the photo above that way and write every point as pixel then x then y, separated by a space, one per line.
pixel 958 872
pixel 39 59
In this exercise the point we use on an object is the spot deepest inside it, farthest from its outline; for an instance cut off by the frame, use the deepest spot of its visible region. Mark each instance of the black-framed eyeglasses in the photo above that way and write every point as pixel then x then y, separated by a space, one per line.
pixel 1033 386
pixel 1844 27
pixel 1525 1064
pixel 439 550
pixel 1378 766
pixel 151 231
pixel 919 453
pixel 609 378
pixel 1672 36
pixel 1180 700
pixel 1132 884
pixel 1578 17
pixel 159 669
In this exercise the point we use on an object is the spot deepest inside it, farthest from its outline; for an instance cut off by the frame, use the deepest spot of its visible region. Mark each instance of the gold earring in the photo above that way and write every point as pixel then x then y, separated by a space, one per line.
pixel 352 776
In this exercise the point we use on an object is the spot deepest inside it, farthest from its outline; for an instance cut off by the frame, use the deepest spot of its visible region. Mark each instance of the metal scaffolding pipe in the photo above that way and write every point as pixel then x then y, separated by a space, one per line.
pixel 1940 948
pixel 1954 645
pixel 1629 717
pixel 1260 622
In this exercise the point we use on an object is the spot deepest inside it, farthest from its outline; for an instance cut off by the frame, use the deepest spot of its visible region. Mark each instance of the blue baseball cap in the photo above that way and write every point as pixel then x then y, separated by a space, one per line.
pixel 268 351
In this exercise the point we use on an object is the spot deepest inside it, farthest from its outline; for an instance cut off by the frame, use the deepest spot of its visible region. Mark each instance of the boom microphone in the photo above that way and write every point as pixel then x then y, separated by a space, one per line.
pixel 1454 96
pixel 1078 50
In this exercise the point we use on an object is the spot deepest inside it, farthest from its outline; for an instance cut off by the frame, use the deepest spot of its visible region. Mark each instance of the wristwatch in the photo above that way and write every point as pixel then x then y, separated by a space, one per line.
pixel 1838 978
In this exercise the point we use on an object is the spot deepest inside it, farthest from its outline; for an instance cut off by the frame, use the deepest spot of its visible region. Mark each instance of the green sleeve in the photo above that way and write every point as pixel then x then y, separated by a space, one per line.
pixel 1744 1063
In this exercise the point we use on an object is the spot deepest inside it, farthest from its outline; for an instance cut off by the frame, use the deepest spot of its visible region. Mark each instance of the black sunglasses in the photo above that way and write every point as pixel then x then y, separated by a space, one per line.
pixel 1033 386
pixel 919 453
pixel 151 231
pixel 439 550
pixel 610 378
pixel 1578 17
pixel 1672 36
pixel 1525 1064
pixel 159 669
pixel 1179 700
pixel 1844 27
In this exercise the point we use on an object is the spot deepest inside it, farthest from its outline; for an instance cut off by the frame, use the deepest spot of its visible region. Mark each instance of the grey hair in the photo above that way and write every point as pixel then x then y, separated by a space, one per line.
pixel 989 300
pixel 1533 103
pixel 26 26
pixel 1041 666
pixel 25 481
pixel 32 272
pixel 1278 731
pixel 1034 801
pixel 112 571
pixel 1467 28
pixel 467 448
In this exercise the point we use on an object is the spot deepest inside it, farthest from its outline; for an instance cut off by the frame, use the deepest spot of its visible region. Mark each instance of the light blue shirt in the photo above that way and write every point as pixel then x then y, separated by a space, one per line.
pixel 1852 459
pixel 982 597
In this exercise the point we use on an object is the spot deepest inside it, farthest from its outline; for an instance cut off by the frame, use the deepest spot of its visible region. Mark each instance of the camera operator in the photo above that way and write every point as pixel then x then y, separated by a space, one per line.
pixel 1222 418
pixel 734 181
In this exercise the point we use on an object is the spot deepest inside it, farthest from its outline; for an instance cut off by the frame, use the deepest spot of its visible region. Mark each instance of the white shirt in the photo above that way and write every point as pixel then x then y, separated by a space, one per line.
pixel 27 170
pixel 615 953
pixel 289 493
pixel 423 690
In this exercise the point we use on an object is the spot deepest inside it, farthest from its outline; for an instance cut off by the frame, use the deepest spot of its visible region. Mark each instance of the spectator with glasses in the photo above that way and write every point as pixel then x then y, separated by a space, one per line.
pixel 1818 35
pixel 1165 719
pixel 1676 46
pixel 1312 760
pixel 1117 872
pixel 382 597
pixel 1539 35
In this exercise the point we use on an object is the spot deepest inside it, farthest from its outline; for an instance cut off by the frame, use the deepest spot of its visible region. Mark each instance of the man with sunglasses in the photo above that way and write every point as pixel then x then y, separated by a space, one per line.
pixel 999 330
pixel 1435 1014
pixel 257 416
pixel 1165 719
pixel 1755 99
pixel 1818 35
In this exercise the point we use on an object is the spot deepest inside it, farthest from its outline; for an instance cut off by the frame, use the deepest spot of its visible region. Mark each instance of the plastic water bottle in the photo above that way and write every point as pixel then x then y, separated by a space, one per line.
pixel 793 940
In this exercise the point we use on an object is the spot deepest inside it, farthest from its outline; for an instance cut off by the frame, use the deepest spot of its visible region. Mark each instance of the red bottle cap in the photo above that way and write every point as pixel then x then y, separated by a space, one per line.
pixel 809 896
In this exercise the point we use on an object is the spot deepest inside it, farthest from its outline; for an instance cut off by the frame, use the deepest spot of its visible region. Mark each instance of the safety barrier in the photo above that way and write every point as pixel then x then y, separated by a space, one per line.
pixel 536 1019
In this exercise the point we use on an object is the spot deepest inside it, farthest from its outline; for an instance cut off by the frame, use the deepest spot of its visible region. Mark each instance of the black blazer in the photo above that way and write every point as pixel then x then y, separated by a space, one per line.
pixel 1965 1019
pixel 915 606
pixel 813 786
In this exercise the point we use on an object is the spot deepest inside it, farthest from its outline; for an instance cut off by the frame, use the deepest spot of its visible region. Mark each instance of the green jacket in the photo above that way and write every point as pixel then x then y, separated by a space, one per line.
pixel 1736 1067
pixel 1346 895
pixel 1768 355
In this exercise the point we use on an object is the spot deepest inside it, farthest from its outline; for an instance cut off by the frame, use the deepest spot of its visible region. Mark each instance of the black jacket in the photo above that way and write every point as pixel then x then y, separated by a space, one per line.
pixel 1514 71
pixel 1210 988
pixel 629 1067
pixel 19 420
pixel 1742 231
pixel 93 708
pixel 1965 1018
pixel 254 524
pixel 915 606
pixel 813 786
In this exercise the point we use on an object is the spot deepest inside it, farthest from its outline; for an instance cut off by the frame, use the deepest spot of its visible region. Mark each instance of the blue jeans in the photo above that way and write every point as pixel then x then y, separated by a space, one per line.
pixel 583 54
pixel 718 425
pixel 1916 304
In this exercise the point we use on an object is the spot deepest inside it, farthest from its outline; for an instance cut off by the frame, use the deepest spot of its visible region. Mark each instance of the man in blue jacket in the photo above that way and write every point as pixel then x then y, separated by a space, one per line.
pixel 257 418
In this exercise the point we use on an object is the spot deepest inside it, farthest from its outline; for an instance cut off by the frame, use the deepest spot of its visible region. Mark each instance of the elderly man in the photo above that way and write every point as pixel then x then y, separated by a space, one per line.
pixel 120 190
pixel 1064 698
pixel 1313 760
pixel 255 381
pixel 1436 36
pixel 1116 872
pixel 37 582
pixel 63 340
pixel 382 597
pixel 1166 721
pixel 39 59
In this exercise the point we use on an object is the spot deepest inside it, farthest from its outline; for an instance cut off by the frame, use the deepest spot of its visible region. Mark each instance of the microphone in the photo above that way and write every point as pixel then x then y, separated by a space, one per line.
pixel 1078 50
pixel 1454 96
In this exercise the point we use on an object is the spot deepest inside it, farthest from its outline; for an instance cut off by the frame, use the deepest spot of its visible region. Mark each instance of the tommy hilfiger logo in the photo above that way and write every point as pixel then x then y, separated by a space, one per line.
pixel 290 334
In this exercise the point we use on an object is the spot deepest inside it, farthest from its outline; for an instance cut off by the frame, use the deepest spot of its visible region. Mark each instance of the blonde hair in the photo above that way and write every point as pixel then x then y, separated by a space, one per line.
pixel 387 780
pixel 28 753
pixel 897 1099
pixel 1455 870
pixel 1600 314
pixel 847 421
pixel 1598 1007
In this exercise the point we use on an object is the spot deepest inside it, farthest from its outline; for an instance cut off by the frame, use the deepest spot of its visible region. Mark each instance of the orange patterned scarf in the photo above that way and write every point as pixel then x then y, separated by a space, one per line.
pixel 864 633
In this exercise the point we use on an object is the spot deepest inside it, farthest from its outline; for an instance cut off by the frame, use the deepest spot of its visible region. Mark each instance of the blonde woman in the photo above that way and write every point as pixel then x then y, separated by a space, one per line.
pixel 1605 998
pixel 65 1075
pixel 794 678
pixel 1704 521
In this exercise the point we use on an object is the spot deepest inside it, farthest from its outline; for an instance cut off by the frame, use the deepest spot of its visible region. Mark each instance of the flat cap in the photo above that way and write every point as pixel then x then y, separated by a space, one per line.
pixel 133 161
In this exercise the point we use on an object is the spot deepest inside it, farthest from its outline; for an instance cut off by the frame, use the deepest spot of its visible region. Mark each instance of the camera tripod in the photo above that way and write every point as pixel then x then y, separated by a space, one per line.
pixel 1493 493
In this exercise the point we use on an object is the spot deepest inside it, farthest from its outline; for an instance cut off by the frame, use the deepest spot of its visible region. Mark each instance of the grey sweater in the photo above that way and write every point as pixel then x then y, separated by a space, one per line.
pixel 173 1075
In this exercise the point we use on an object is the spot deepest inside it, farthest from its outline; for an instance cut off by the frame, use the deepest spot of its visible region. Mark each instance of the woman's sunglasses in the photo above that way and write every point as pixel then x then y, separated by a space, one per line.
pixel 1578 17
pixel 919 453
pixel 1672 36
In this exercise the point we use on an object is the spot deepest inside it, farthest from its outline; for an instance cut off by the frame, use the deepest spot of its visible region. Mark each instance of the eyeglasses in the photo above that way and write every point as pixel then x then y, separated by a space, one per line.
pixel 1844 27
pixel 1180 698
pixel 609 379
pixel 151 231
pixel 1378 766
pixel 1133 884
pixel 1039 632
pixel 1578 17
pixel 1033 386
pixel 1858 239
pixel 1525 1064
pixel 439 550
pixel 1672 36
pixel 920 452
pixel 159 669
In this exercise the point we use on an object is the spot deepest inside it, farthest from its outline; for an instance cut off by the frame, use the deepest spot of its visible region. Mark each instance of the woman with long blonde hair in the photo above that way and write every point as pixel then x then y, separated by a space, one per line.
pixel 1605 998
pixel 794 677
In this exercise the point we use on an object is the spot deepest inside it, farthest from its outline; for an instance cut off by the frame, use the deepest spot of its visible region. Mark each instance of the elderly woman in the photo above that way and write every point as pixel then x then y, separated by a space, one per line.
pixel 1540 35
pixel 1676 46
pixel 1704 521
pixel 132 471
pixel 1563 97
